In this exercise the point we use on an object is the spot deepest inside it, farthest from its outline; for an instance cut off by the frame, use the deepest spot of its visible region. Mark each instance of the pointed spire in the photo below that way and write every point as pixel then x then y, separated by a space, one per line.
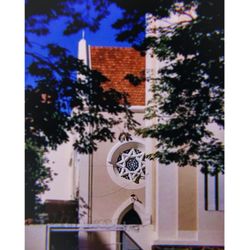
pixel 82 48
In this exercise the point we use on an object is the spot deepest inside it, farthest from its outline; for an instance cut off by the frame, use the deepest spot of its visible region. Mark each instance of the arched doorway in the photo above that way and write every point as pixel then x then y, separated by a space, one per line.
pixel 130 217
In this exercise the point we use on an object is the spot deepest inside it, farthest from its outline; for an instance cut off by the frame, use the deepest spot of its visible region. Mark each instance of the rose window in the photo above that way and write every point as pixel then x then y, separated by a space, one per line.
pixel 130 165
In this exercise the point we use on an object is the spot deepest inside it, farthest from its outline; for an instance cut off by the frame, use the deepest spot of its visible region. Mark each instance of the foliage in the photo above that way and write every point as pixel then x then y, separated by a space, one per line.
pixel 188 94
pixel 37 176
pixel 40 13
pixel 64 83
pixel 67 95
pixel 62 102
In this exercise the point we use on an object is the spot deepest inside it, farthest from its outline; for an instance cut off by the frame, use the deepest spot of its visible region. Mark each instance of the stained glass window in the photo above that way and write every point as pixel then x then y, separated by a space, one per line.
pixel 131 165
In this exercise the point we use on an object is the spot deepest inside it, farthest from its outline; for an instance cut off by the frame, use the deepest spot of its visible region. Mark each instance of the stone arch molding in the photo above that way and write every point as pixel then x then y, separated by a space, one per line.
pixel 125 207
pixel 122 210
pixel 132 153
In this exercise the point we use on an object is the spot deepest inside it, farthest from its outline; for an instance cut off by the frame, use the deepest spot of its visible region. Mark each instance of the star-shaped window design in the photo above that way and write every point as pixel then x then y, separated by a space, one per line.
pixel 131 165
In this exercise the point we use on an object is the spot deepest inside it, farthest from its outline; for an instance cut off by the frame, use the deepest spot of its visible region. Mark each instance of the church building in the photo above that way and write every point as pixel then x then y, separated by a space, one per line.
pixel 121 197
pixel 161 206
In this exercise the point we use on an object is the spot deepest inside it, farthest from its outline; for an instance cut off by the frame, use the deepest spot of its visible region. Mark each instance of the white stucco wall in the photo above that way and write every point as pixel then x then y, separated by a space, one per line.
pixel 60 161
pixel 35 237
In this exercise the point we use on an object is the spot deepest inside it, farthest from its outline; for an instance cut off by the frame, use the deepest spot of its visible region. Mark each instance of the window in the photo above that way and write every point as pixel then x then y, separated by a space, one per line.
pixel 126 164
pixel 214 192
pixel 130 165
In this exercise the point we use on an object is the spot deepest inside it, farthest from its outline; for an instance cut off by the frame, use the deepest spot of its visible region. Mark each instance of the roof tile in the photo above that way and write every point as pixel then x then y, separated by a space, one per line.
pixel 115 63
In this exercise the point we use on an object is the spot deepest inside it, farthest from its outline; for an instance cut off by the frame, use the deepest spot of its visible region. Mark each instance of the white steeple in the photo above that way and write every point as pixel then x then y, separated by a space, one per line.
pixel 83 49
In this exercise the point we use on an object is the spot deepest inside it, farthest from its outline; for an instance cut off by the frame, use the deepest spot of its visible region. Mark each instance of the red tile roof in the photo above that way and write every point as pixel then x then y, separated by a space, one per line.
pixel 115 63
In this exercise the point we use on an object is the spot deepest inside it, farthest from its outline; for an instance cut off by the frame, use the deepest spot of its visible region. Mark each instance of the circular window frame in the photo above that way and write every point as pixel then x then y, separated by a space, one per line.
pixel 113 155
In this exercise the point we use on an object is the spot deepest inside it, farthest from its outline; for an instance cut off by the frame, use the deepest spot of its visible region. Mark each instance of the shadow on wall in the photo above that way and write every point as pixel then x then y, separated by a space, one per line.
pixel 70 241
pixel 95 242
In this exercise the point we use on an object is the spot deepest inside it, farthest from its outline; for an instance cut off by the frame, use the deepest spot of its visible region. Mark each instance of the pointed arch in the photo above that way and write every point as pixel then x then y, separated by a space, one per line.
pixel 130 218
pixel 124 209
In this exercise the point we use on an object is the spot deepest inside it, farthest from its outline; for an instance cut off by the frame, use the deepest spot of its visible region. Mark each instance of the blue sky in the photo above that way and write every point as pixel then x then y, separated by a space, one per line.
pixel 105 36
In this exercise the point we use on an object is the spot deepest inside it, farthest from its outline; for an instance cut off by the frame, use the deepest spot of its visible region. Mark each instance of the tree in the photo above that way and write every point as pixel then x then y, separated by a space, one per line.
pixel 62 102
pixel 37 176
pixel 67 95
pixel 77 14
pixel 188 94
pixel 59 89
